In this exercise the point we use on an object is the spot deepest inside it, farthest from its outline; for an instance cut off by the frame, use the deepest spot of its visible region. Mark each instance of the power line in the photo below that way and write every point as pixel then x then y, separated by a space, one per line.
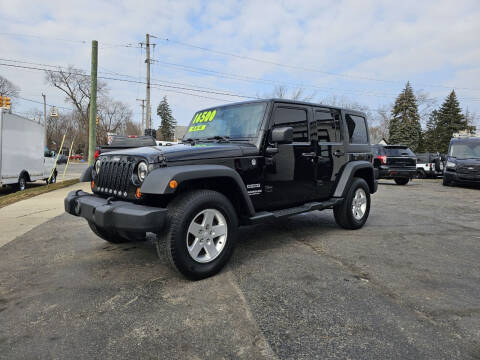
pixel 215 92
pixel 289 66
pixel 133 81
pixel 41 102
pixel 84 42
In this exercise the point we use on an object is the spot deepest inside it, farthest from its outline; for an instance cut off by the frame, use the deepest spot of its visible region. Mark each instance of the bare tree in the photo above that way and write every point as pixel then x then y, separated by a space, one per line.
pixel 75 84
pixel 113 116
pixel 281 92
pixel 132 128
pixel 425 105
pixel 7 88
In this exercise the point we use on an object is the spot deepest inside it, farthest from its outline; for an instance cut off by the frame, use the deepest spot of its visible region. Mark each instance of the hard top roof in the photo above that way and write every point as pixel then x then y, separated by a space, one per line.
pixel 291 102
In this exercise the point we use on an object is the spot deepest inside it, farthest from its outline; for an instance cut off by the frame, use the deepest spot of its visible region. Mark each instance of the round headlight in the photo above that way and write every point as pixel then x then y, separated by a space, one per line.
pixel 97 166
pixel 451 165
pixel 142 170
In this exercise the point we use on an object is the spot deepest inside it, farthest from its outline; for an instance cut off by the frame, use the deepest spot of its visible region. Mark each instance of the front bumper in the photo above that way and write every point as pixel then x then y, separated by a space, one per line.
pixel 113 214
pixel 461 177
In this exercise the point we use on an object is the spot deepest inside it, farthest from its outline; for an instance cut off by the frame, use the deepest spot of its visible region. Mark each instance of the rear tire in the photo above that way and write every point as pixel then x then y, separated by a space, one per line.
pixel 192 243
pixel 22 182
pixel 401 181
pixel 351 214
pixel 421 174
pixel 53 180
pixel 110 236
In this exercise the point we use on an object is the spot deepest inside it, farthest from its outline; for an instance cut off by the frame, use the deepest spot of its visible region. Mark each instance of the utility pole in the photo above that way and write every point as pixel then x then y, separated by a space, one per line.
pixel 143 113
pixel 149 110
pixel 45 118
pixel 92 129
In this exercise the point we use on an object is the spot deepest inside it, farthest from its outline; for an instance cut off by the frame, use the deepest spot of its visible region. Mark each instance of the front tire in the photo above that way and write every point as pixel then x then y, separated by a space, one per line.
pixel 201 233
pixel 353 212
pixel 401 181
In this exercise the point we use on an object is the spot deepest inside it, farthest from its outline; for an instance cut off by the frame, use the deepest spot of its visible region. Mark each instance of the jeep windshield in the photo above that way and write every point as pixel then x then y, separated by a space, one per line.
pixel 227 123
pixel 465 150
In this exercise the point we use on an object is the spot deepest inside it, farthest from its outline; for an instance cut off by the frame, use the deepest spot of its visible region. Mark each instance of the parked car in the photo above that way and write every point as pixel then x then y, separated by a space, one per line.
pixel 239 164
pixel 429 165
pixel 76 157
pixel 62 159
pixel 462 162
pixel 22 154
pixel 395 162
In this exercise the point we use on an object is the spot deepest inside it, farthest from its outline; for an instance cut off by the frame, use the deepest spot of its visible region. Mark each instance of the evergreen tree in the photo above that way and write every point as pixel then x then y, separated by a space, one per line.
pixel 450 121
pixel 405 125
pixel 166 130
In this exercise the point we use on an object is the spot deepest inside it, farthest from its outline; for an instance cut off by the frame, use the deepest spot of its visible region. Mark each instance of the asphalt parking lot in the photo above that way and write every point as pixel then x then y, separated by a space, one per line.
pixel 406 286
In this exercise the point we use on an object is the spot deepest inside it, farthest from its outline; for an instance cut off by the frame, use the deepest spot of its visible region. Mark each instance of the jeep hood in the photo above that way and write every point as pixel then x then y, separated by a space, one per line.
pixel 184 152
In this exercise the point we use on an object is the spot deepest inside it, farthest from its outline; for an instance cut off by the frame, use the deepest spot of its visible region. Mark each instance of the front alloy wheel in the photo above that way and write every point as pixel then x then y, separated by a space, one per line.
pixel 359 204
pixel 207 235
pixel 201 233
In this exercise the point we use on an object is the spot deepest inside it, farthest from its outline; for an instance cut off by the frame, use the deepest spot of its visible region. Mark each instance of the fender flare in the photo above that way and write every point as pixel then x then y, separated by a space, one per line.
pixel 87 174
pixel 347 176
pixel 157 182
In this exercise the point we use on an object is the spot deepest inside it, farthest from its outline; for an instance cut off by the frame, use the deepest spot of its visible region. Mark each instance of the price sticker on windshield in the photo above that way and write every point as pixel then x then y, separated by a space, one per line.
pixel 202 117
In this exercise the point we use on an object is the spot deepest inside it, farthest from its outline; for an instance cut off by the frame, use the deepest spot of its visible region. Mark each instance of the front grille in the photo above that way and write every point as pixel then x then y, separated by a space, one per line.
pixel 114 177
pixel 468 169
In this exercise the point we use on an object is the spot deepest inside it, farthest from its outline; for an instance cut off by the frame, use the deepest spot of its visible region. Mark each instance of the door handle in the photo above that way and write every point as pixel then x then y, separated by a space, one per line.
pixel 338 153
pixel 310 154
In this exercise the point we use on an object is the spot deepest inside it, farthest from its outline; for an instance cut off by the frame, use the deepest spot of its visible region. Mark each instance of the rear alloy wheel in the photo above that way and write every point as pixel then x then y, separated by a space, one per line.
pixel 401 181
pixel 202 226
pixel 353 212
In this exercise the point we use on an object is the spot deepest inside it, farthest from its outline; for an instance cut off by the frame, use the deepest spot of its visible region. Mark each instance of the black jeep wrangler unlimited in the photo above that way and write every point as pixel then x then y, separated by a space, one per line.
pixel 238 164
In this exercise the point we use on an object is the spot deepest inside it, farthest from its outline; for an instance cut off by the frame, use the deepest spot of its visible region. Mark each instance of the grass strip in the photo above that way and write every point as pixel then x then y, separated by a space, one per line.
pixel 37 190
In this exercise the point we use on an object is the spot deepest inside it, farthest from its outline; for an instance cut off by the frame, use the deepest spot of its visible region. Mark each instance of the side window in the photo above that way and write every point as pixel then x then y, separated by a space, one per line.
pixel 326 126
pixel 357 129
pixel 295 118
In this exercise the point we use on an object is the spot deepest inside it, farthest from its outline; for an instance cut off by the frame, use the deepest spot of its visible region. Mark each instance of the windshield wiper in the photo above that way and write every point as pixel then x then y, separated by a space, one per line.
pixel 190 141
pixel 219 138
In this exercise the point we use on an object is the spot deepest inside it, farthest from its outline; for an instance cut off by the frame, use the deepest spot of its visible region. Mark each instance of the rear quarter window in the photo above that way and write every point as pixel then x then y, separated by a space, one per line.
pixel 357 129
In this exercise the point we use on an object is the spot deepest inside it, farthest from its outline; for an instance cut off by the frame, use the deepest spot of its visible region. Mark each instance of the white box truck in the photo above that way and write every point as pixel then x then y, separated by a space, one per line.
pixel 22 151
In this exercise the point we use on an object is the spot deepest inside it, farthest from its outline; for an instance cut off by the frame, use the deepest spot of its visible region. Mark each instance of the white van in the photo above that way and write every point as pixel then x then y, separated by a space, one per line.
pixel 22 151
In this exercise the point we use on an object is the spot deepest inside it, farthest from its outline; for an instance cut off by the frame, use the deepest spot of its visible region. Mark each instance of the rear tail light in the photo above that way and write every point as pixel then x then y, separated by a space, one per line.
pixel 383 159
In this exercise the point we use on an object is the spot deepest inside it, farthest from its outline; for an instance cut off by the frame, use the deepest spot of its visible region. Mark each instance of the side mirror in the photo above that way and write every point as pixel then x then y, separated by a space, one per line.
pixel 282 135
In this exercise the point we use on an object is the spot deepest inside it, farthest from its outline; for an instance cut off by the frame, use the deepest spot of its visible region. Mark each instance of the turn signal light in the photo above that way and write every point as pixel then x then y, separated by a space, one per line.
pixel 92 184
pixel 173 184
pixel 138 194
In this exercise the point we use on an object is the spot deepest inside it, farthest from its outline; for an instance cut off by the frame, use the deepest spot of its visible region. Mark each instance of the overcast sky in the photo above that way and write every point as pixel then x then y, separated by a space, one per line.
pixel 360 51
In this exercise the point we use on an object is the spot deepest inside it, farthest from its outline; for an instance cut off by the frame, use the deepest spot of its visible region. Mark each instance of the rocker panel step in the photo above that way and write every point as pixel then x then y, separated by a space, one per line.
pixel 277 214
